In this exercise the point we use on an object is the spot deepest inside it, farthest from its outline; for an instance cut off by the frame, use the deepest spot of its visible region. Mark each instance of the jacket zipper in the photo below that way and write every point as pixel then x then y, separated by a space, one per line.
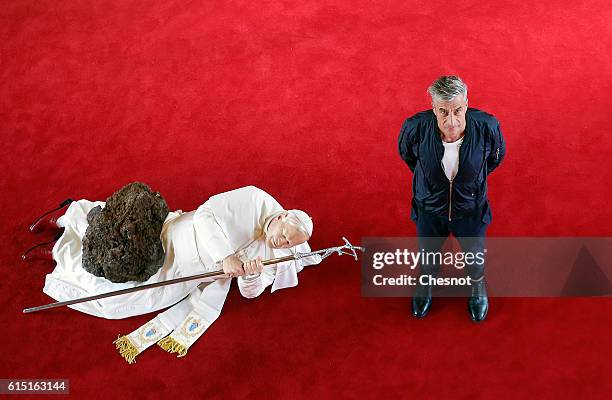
pixel 450 200
pixel 450 192
pixel 497 154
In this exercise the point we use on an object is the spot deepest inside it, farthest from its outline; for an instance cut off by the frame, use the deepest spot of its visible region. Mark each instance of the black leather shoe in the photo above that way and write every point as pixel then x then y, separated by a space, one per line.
pixel 47 221
pixel 42 251
pixel 478 303
pixel 421 302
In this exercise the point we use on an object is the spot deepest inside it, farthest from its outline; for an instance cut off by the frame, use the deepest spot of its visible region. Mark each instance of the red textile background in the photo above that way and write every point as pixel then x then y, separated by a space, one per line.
pixel 305 100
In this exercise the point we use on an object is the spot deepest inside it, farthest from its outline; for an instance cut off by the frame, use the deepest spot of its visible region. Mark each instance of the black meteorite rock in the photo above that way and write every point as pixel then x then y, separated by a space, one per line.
pixel 122 242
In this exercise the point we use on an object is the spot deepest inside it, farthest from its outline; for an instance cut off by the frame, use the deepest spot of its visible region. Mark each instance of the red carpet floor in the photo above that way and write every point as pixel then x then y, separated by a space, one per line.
pixel 305 100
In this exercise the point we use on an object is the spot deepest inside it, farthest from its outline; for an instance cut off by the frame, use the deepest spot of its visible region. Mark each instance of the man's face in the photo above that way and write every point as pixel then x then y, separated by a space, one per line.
pixel 282 235
pixel 451 115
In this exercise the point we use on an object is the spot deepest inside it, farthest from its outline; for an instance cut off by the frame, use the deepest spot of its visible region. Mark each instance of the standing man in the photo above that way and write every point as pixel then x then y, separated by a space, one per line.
pixel 451 150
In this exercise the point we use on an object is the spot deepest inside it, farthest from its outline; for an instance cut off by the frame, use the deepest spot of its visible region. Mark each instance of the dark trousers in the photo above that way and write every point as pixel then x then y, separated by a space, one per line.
pixel 433 231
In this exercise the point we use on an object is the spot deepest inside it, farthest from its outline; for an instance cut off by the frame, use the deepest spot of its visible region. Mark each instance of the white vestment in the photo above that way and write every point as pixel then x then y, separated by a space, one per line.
pixel 194 242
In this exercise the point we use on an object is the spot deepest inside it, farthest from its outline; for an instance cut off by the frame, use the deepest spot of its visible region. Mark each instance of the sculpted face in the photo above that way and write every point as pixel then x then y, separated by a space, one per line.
pixel 451 116
pixel 282 235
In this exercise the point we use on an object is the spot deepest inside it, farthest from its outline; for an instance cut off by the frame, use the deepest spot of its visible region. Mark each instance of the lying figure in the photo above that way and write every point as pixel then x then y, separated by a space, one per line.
pixel 232 231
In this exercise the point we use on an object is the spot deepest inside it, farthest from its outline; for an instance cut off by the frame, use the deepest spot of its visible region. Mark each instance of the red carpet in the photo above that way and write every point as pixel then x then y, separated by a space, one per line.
pixel 306 101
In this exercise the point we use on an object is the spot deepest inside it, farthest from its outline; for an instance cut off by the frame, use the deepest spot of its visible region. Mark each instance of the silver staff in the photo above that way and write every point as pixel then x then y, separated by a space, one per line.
pixel 347 249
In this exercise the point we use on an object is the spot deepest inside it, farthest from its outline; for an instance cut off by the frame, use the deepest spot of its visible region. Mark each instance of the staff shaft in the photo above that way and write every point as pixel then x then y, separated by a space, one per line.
pixel 144 287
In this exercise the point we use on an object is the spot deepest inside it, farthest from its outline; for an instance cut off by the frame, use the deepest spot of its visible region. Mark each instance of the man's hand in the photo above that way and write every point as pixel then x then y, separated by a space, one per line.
pixel 253 267
pixel 232 266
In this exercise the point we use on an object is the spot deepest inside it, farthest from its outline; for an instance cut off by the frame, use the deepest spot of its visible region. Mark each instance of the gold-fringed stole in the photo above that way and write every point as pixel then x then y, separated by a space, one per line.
pixel 172 346
pixel 126 348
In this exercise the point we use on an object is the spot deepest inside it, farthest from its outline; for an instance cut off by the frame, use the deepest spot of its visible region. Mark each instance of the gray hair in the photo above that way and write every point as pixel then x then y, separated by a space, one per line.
pixel 446 88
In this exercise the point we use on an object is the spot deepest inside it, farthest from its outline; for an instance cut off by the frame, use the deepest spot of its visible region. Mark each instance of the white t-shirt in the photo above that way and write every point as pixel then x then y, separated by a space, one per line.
pixel 450 160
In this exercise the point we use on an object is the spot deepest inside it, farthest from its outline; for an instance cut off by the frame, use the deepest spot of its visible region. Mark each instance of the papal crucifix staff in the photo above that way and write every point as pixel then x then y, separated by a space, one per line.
pixel 347 248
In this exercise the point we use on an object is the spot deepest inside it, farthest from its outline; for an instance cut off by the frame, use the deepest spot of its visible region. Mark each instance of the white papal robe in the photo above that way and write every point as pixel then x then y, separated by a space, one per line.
pixel 194 242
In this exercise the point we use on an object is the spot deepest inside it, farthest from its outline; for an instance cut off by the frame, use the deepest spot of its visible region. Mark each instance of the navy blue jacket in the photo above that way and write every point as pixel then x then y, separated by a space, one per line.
pixel 482 150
